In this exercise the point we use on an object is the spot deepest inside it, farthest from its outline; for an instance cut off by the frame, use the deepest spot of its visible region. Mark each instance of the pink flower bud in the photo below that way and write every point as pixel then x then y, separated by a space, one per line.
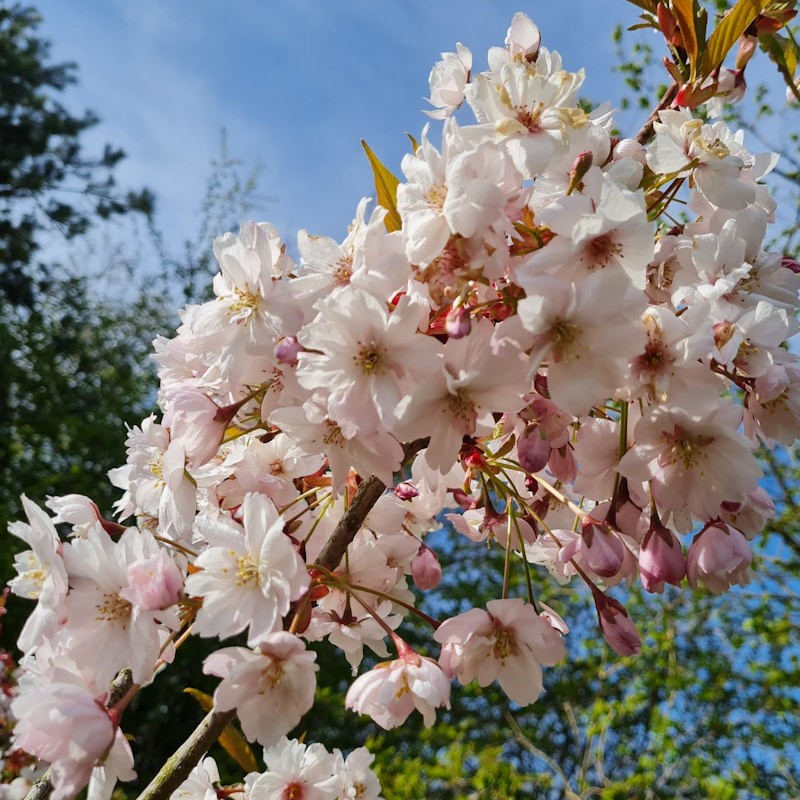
pixel 661 559
pixel 719 557
pixel 618 629
pixel 602 550
pixel 791 263
pixel 406 491
pixel 458 324
pixel 287 350
pixel 153 583
pixel 533 448
pixel 745 51
pixel 580 166
pixel 426 569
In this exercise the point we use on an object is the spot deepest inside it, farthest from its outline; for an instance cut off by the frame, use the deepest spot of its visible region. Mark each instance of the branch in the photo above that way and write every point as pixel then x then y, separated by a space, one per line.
pixel 647 130
pixel 182 762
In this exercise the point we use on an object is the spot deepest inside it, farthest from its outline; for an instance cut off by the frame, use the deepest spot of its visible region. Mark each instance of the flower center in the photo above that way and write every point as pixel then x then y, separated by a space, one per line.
pixel 370 357
pixel 563 335
pixel 343 271
pixel 247 571
pixel 113 608
pixel 333 434
pixel 270 677
pixel 600 250
pixel 505 644
pixel 436 196
pixel 530 117
pixel 243 302
pixel 686 449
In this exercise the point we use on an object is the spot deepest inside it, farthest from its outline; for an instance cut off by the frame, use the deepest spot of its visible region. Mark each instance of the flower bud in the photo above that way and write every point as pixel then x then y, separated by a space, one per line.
pixel 406 491
pixel 457 324
pixel 426 569
pixel 580 166
pixel 603 551
pixel 745 51
pixel 791 263
pixel 617 627
pixel 287 350
pixel 661 559
pixel 153 583
pixel 533 448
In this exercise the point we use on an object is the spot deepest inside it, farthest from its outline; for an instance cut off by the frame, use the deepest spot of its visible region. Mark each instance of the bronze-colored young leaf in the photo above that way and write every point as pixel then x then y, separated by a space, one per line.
pixel 727 33
pixel 386 187
pixel 234 744
pixel 685 14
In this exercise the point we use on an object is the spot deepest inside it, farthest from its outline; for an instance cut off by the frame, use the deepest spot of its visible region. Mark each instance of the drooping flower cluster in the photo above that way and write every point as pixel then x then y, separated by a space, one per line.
pixel 526 339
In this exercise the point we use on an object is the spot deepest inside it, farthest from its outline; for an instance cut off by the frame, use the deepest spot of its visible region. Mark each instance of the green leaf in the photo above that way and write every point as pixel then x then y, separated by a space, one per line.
pixel 727 33
pixel 784 53
pixel 234 744
pixel 386 187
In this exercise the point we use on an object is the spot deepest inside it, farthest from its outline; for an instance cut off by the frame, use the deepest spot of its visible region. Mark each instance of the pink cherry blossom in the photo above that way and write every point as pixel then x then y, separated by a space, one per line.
pixel 270 687
pixel 391 691
pixel 508 642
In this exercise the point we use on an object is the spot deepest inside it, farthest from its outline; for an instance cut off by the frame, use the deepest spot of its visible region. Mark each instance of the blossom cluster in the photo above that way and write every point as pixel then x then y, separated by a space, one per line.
pixel 567 342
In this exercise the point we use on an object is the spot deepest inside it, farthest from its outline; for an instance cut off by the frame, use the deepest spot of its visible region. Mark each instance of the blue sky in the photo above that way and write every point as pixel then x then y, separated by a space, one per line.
pixel 296 85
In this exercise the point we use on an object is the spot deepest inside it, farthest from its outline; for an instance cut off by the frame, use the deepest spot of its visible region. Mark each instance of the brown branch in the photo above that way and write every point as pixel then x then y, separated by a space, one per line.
pixel 182 762
pixel 647 131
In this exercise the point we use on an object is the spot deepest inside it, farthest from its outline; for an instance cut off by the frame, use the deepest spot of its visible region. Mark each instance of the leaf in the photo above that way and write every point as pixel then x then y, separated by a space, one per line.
pixel 684 12
pixel 386 186
pixel 414 143
pixel 784 54
pixel 234 744
pixel 727 33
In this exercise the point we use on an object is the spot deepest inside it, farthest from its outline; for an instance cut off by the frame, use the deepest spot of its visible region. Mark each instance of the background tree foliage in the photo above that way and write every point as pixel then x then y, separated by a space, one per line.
pixel 709 707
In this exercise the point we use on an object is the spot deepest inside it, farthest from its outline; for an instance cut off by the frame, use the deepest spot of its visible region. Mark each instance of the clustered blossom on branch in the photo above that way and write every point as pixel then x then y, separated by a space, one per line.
pixel 571 343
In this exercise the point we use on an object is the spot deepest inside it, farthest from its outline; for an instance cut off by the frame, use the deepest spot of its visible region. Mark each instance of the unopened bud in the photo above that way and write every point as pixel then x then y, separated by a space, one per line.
pixel 426 569
pixel 791 263
pixel 287 350
pixel 617 627
pixel 603 551
pixel 458 324
pixel 406 491
pixel 533 448
pixel 580 166
pixel 661 559
pixel 746 50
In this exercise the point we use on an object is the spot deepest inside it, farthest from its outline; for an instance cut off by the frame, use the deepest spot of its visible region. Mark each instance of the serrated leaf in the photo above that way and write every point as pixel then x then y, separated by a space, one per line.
pixel 727 33
pixel 386 187
pixel 234 744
